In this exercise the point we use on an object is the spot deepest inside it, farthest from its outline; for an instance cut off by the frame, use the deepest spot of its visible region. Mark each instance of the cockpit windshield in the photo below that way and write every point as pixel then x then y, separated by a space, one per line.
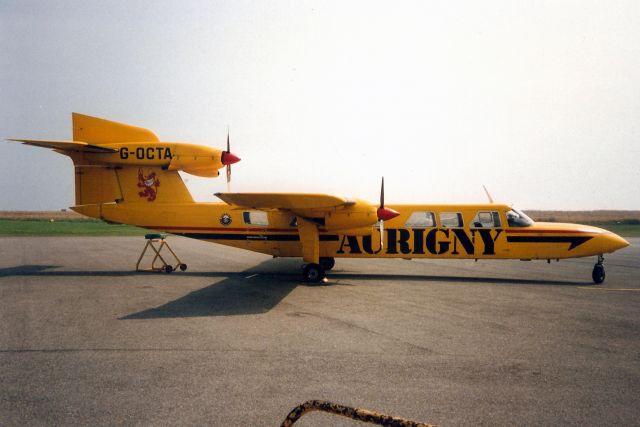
pixel 516 218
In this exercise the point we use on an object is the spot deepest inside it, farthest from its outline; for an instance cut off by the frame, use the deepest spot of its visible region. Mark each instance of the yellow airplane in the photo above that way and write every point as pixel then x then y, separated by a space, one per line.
pixel 125 174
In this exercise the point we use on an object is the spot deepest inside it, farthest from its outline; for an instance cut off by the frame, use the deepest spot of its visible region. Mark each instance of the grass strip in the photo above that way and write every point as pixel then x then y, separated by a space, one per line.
pixel 88 227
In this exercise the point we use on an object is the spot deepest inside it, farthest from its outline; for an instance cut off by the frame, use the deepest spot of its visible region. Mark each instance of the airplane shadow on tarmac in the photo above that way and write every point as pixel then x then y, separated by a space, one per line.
pixel 235 295
pixel 258 289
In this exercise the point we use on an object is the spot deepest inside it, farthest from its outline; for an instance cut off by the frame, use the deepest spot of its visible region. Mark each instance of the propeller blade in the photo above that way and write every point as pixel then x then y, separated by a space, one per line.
pixel 228 158
pixel 384 214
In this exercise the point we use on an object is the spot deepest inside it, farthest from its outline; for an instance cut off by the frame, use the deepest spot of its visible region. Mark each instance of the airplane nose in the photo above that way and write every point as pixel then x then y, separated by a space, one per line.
pixel 612 242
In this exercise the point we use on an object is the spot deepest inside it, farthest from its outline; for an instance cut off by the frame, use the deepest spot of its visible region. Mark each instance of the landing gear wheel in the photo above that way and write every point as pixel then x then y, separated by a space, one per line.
pixel 183 267
pixel 313 273
pixel 598 273
pixel 327 263
pixel 168 269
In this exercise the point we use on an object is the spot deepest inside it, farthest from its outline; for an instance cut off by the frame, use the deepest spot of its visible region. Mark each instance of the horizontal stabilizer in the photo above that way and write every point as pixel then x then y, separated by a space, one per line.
pixel 292 201
pixel 66 145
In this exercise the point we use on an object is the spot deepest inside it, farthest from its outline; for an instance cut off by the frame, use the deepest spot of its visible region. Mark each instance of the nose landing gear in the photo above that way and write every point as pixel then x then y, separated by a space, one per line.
pixel 598 271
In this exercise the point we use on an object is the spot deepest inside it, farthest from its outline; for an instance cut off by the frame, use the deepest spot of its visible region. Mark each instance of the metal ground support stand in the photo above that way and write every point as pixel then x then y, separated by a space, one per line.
pixel 153 239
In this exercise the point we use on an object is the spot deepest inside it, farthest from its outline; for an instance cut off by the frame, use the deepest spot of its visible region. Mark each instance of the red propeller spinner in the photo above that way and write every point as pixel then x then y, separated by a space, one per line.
pixel 228 158
pixel 385 214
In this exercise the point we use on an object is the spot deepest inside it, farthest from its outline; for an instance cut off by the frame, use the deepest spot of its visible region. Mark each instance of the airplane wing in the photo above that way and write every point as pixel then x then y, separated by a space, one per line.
pixel 291 201
pixel 66 145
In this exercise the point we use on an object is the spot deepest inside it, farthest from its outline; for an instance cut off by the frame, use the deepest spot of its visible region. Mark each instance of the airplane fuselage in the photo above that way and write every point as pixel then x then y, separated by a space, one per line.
pixel 275 232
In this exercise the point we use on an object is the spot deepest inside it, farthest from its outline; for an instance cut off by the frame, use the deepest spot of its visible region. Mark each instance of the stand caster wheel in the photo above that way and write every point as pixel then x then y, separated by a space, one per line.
pixel 313 273
pixel 327 263
pixel 168 269
pixel 183 267
pixel 598 274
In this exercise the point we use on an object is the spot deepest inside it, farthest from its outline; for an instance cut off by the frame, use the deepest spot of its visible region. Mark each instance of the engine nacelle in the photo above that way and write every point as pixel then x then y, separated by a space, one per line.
pixel 194 159
pixel 205 166
pixel 197 160
pixel 357 216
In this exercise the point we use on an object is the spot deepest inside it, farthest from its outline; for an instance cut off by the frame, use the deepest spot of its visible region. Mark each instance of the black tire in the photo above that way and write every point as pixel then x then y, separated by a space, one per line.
pixel 598 274
pixel 183 267
pixel 327 263
pixel 168 269
pixel 313 273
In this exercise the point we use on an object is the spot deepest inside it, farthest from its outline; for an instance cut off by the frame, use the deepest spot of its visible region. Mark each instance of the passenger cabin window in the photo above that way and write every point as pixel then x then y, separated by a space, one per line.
pixel 451 219
pixel 420 219
pixel 516 218
pixel 486 219
pixel 255 218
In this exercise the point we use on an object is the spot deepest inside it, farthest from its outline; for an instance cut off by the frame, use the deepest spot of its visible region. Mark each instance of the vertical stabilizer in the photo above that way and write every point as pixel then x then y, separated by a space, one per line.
pixel 100 131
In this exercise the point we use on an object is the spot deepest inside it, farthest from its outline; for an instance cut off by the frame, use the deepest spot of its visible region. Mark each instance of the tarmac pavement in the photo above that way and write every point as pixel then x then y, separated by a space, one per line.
pixel 239 339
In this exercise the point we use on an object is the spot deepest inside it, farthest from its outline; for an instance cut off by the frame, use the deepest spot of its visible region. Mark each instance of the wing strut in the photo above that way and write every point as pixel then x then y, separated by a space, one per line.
pixel 310 239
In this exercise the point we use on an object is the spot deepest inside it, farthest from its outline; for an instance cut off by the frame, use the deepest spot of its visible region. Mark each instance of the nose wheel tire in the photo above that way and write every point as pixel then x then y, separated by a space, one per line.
pixel 313 273
pixel 327 263
pixel 598 273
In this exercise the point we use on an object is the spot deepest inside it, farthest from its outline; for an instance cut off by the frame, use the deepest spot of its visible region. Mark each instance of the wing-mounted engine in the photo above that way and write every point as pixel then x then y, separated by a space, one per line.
pixel 355 217
pixel 104 142
pixel 117 163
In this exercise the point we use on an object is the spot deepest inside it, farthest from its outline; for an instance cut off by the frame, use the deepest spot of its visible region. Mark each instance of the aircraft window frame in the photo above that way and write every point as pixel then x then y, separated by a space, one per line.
pixel 453 215
pixel 493 220
pixel 419 222
pixel 518 219
pixel 256 218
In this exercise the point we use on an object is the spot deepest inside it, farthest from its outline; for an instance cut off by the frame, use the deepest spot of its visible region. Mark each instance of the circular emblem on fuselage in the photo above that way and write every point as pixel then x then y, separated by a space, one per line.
pixel 225 219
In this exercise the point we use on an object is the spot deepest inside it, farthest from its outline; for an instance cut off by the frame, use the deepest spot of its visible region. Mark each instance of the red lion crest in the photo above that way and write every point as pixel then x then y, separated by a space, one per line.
pixel 149 185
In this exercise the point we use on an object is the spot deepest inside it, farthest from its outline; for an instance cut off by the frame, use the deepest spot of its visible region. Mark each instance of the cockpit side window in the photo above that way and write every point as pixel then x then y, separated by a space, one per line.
pixel 486 219
pixel 420 219
pixel 516 218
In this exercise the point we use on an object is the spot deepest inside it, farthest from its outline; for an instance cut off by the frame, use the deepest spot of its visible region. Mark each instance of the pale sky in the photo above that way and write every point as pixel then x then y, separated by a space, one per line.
pixel 539 101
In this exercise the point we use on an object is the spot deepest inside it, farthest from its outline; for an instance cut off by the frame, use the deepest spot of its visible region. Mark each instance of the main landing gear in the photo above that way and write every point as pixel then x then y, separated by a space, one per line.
pixel 598 271
pixel 315 273
pixel 327 262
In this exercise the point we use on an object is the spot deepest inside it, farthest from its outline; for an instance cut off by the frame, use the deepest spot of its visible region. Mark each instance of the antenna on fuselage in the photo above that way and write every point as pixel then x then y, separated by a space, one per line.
pixel 487 193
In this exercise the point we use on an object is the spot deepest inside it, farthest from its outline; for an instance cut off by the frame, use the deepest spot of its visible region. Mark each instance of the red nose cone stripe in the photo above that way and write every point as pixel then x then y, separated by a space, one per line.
pixel 386 214
pixel 228 158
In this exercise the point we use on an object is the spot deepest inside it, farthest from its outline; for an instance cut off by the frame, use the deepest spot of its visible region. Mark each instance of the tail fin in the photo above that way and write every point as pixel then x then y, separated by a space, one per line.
pixel 100 179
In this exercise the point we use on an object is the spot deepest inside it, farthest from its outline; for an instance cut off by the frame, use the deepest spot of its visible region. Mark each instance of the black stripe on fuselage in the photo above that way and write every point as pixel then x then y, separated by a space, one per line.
pixel 255 237
pixel 574 240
